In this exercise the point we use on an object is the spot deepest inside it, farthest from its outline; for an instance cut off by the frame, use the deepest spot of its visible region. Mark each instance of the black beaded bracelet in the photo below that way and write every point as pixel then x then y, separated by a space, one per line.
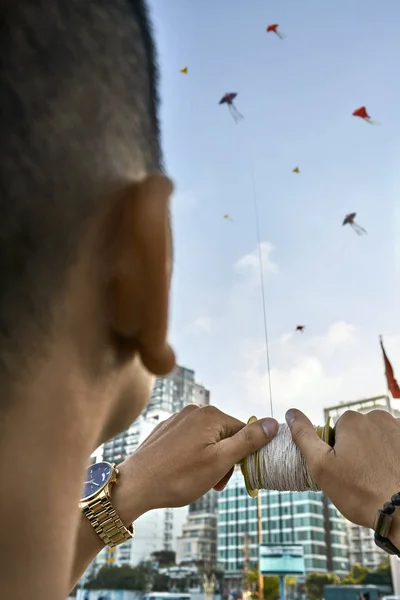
pixel 383 523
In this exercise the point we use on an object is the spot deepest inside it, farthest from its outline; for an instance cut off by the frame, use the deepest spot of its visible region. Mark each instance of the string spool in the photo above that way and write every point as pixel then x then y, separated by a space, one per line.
pixel 280 465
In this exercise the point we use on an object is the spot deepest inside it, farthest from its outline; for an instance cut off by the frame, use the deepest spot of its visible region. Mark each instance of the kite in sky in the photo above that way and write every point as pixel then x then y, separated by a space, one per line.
pixel 228 99
pixel 274 29
pixel 296 170
pixel 300 328
pixel 349 220
pixel 184 71
pixel 228 218
pixel 362 113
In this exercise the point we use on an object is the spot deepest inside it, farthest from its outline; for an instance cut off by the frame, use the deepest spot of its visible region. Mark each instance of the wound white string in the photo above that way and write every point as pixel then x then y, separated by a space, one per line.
pixel 280 466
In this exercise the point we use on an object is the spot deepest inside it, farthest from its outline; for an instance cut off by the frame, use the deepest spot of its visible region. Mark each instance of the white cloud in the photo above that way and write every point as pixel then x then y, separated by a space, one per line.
pixel 341 333
pixel 200 325
pixel 310 370
pixel 308 373
pixel 286 338
pixel 250 263
pixel 299 377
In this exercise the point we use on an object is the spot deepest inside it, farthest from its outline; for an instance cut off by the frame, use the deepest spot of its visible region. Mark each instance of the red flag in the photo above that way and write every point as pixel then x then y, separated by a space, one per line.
pixel 391 381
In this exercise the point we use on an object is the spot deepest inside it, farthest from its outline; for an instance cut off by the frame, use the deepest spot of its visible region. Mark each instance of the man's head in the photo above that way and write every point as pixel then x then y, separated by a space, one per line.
pixel 84 231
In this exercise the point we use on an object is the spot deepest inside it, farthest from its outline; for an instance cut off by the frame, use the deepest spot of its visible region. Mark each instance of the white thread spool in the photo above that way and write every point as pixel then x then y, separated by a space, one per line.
pixel 280 465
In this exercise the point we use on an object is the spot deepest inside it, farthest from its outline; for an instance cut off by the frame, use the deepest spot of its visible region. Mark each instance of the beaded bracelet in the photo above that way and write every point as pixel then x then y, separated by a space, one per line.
pixel 382 525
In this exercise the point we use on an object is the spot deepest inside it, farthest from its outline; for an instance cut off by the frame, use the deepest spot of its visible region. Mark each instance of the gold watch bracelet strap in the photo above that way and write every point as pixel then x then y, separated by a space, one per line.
pixel 106 522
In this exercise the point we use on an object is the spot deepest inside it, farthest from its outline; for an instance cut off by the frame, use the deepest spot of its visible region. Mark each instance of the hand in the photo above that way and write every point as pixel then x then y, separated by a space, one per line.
pixel 362 471
pixel 187 455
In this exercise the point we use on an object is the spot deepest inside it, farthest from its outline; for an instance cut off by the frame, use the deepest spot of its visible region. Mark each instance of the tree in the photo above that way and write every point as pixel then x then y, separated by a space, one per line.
pixel 113 578
pixel 357 575
pixel 271 585
pixel 160 582
pixel 271 588
pixel 381 576
pixel 252 580
pixel 145 573
pixel 290 583
pixel 122 578
pixel 315 583
pixel 163 558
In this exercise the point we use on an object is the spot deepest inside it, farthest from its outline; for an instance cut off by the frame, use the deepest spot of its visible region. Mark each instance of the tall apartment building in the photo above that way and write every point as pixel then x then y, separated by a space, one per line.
pixel 170 394
pixel 158 529
pixel 305 518
pixel 207 504
pixel 198 542
pixel 362 548
pixel 177 390
pixel 124 444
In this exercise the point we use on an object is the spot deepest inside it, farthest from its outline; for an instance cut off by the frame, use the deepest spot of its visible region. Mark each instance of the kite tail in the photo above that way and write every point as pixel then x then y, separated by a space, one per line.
pixel 371 122
pixel 280 35
pixel 358 229
pixel 237 116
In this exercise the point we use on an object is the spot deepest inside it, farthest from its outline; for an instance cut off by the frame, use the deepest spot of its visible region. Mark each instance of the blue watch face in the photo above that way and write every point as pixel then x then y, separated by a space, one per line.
pixel 96 478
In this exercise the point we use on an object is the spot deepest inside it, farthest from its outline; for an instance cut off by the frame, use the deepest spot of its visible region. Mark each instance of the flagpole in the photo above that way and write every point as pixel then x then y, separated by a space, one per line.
pixel 393 560
pixel 260 539
pixel 388 402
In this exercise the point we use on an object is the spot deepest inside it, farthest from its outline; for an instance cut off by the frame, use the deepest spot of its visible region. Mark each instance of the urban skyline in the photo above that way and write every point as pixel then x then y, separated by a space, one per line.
pixel 305 518
pixel 219 529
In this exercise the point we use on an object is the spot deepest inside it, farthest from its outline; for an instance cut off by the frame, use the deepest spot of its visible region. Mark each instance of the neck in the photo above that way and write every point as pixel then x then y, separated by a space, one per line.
pixel 45 444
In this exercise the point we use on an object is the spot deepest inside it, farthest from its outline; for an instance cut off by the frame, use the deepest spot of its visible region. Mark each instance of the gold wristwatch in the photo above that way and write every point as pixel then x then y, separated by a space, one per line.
pixel 96 505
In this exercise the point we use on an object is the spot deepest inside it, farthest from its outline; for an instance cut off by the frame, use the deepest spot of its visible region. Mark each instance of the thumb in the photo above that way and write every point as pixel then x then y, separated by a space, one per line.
pixel 306 439
pixel 250 438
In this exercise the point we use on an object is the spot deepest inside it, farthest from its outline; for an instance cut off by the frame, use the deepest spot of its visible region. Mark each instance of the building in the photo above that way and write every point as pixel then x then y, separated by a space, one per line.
pixel 158 529
pixel 154 531
pixel 206 504
pixel 124 444
pixel 305 518
pixel 170 394
pixel 198 542
pixel 96 456
pixel 362 548
pixel 363 406
pixel 177 390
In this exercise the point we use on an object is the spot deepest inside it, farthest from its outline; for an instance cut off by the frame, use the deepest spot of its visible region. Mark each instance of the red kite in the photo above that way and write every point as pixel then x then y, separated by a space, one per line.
pixel 362 114
pixel 300 328
pixel 274 29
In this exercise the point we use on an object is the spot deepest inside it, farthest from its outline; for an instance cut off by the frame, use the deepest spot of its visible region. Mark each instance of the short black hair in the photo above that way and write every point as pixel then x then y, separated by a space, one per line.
pixel 78 109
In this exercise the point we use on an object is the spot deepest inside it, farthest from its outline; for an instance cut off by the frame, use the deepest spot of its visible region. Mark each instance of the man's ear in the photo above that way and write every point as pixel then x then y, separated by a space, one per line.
pixel 141 274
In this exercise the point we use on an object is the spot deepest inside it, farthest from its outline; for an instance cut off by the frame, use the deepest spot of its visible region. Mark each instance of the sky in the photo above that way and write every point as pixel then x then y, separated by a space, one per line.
pixel 297 96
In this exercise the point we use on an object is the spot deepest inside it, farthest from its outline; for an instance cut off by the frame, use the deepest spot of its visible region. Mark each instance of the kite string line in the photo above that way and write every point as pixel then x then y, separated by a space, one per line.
pixel 280 466
pixel 260 260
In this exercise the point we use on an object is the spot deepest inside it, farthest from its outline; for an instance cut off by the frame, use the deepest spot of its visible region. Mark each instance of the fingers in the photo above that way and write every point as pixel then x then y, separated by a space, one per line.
pixel 250 438
pixel 306 439
pixel 221 485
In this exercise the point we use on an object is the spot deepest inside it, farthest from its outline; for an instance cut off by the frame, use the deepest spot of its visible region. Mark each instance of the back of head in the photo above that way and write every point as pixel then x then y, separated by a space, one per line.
pixel 77 116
